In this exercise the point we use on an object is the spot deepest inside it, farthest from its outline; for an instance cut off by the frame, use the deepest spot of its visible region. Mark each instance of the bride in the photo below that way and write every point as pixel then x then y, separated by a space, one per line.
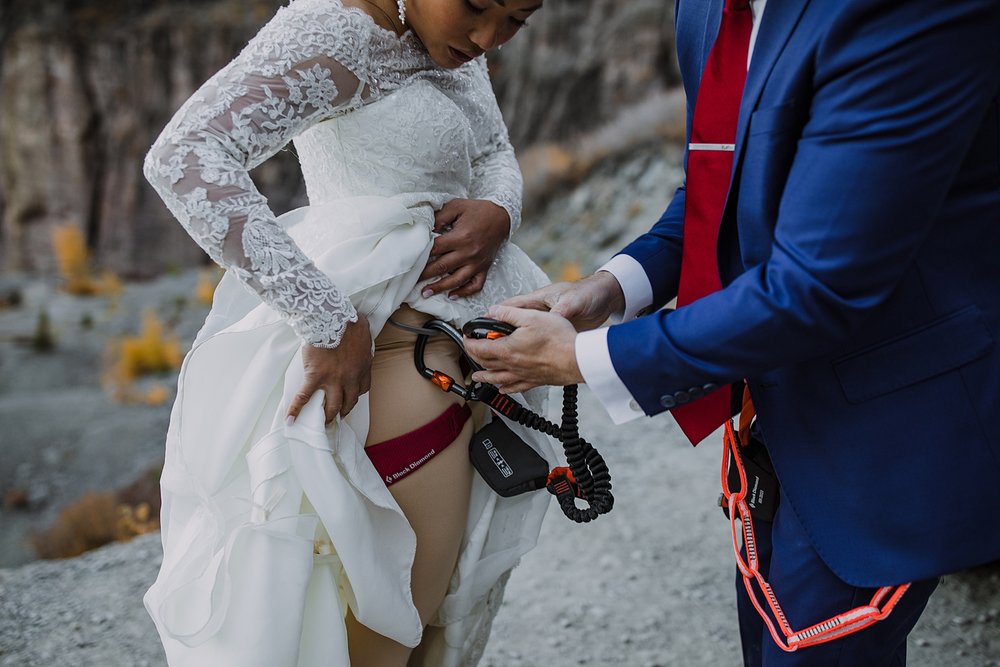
pixel 318 503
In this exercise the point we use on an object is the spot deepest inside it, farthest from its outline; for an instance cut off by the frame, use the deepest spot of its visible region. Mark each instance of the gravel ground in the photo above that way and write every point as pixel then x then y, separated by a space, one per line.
pixel 650 584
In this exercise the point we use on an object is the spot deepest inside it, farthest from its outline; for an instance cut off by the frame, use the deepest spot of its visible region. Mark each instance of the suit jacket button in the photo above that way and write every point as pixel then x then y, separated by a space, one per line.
pixel 667 401
pixel 709 387
pixel 696 392
pixel 682 396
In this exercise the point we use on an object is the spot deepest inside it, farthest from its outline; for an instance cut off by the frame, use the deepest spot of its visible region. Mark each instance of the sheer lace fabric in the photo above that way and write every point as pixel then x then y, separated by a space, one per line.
pixel 318 61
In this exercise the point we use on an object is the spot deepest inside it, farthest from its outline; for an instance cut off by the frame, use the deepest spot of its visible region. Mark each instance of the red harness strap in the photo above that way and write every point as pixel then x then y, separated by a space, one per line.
pixel 848 622
pixel 396 458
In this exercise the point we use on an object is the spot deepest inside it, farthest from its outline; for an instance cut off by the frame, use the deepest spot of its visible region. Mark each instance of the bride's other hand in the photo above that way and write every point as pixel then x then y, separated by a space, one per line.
pixel 472 231
pixel 342 372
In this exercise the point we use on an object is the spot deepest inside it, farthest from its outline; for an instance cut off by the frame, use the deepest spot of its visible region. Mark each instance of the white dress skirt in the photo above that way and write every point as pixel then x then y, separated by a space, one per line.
pixel 271 532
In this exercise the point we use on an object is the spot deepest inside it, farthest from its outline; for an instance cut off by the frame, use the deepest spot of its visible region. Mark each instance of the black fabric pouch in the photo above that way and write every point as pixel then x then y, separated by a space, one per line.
pixel 762 483
pixel 507 463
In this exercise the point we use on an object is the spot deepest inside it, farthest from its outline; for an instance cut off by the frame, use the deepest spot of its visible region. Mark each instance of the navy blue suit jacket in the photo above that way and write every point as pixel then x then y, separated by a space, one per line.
pixel 860 258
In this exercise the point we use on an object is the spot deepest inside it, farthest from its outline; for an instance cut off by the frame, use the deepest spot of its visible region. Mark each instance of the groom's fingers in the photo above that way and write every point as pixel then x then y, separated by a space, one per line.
pixel 498 378
pixel 529 301
pixel 541 299
pixel 519 317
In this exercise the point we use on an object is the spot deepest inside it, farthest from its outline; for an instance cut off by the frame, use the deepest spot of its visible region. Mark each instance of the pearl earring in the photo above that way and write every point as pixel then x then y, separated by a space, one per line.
pixel 402 11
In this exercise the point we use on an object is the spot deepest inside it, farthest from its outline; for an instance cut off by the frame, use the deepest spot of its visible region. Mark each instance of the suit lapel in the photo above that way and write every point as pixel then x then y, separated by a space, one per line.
pixel 696 26
pixel 779 20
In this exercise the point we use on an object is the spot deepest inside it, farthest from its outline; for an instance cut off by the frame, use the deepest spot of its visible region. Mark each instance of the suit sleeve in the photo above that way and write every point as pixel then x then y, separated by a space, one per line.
pixel 898 93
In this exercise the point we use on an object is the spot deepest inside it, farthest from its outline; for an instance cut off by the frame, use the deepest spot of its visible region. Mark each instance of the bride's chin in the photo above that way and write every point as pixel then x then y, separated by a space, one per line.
pixel 442 58
pixel 446 62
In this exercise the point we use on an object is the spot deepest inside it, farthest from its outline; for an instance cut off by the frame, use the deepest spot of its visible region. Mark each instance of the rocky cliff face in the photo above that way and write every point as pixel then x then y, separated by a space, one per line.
pixel 580 62
pixel 87 84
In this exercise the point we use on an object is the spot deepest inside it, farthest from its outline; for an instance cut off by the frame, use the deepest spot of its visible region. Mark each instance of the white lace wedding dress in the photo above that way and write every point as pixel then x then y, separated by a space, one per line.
pixel 271 532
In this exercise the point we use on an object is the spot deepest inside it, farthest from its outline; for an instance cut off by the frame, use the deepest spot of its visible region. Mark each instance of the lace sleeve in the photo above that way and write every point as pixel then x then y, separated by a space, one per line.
pixel 496 175
pixel 303 67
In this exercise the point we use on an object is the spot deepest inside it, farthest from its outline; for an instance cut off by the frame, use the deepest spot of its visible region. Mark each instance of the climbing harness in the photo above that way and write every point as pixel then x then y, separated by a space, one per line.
pixel 509 465
pixel 737 509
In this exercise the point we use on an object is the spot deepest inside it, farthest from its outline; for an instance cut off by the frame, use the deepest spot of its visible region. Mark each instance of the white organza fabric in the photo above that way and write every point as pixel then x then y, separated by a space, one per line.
pixel 271 532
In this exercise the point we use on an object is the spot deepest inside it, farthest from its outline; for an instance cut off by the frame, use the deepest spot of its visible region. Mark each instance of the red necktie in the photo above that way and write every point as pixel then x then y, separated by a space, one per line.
pixel 710 164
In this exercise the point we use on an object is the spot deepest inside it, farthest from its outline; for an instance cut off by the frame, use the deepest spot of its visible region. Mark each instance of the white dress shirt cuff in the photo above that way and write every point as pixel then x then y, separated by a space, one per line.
pixel 635 285
pixel 594 360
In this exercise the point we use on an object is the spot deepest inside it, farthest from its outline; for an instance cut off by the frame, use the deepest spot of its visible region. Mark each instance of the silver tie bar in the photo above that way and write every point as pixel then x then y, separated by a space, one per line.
pixel 729 148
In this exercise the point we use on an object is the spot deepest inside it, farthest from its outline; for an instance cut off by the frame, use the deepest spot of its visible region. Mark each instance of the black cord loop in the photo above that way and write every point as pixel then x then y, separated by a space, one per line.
pixel 589 471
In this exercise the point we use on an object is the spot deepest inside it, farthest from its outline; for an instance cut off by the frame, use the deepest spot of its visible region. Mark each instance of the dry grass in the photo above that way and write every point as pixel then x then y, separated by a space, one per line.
pixel 570 272
pixel 73 261
pixel 131 357
pixel 204 292
pixel 98 518
pixel 88 523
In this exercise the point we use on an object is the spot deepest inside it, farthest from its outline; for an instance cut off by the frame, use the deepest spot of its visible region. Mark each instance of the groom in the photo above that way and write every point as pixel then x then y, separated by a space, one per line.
pixel 835 251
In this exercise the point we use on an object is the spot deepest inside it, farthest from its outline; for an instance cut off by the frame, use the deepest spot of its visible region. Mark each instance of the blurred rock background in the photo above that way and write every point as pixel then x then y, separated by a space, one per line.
pixel 87 85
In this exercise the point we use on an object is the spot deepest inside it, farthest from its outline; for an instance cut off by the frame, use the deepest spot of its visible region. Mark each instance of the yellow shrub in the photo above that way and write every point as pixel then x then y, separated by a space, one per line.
pixel 205 291
pixel 110 285
pixel 157 395
pixel 73 260
pixel 135 520
pixel 570 272
pixel 130 357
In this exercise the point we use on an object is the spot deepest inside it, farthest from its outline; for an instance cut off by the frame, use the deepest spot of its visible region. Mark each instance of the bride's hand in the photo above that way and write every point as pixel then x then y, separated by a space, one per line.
pixel 472 231
pixel 342 372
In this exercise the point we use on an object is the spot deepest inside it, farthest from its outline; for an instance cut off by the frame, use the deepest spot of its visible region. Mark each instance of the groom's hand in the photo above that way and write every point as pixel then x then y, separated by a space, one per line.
pixel 540 352
pixel 587 303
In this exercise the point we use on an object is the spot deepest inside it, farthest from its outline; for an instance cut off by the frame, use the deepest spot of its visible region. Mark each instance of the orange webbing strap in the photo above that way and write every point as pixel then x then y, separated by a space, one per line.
pixel 882 603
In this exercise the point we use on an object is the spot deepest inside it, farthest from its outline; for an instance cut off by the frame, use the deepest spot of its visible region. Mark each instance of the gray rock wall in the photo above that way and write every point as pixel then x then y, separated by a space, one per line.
pixel 580 62
pixel 86 85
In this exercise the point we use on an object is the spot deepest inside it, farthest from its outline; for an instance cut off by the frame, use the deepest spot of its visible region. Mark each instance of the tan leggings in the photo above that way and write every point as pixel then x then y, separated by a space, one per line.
pixel 434 498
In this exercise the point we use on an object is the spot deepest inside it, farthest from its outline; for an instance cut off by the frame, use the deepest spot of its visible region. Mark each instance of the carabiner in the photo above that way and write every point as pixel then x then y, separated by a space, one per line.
pixel 444 381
